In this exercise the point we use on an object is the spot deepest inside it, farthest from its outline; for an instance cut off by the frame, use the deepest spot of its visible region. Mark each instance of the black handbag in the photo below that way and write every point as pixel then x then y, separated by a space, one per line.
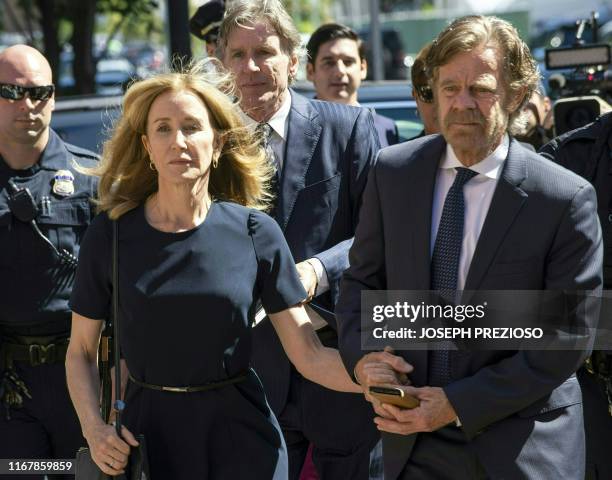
pixel 138 463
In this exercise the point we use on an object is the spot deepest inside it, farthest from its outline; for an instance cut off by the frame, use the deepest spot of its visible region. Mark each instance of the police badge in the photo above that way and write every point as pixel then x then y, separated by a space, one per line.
pixel 63 183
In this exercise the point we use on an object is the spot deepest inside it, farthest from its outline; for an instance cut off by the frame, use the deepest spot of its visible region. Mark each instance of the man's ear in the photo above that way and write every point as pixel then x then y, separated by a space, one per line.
pixel 310 72
pixel 294 63
pixel 516 100
pixel 364 68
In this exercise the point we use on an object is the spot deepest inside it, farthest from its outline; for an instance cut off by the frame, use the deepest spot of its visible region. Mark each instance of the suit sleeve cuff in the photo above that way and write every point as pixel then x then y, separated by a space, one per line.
pixel 322 280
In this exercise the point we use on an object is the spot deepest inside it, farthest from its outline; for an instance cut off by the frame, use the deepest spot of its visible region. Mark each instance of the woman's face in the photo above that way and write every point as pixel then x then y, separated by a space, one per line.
pixel 179 139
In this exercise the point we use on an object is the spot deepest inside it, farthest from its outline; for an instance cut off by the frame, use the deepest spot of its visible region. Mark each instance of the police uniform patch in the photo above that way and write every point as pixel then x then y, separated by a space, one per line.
pixel 63 183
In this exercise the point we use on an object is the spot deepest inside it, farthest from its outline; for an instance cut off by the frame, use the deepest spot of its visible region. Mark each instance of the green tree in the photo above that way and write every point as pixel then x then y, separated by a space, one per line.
pixel 74 22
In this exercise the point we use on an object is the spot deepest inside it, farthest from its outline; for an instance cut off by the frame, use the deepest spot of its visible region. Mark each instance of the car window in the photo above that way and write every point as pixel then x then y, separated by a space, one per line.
pixel 406 118
pixel 85 128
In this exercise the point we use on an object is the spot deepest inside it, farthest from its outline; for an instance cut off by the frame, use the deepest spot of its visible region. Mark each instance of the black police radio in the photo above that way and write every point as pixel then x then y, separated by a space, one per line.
pixel 24 208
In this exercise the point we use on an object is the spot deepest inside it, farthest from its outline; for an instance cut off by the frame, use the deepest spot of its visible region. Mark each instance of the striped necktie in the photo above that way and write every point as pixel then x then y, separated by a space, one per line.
pixel 264 131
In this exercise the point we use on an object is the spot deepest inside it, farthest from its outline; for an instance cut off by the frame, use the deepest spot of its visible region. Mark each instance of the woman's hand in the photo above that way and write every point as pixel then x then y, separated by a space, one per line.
pixel 108 450
pixel 382 368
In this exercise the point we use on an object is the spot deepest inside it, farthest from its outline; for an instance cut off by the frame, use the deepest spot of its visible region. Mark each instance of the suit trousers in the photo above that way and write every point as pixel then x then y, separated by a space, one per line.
pixel 339 425
pixel 45 426
pixel 443 455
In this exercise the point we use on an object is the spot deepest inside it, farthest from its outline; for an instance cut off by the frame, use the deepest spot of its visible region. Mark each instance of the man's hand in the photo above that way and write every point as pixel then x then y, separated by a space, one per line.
pixel 308 276
pixel 434 412
pixel 381 368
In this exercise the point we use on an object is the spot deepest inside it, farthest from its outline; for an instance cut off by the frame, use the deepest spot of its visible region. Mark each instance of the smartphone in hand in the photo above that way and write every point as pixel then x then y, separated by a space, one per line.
pixel 394 395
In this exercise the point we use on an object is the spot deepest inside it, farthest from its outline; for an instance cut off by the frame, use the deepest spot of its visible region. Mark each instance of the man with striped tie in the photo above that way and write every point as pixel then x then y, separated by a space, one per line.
pixel 322 153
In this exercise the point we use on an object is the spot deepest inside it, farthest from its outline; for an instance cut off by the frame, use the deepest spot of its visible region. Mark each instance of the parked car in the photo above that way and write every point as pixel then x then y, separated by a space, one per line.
pixel 112 75
pixel 86 121
pixel 392 99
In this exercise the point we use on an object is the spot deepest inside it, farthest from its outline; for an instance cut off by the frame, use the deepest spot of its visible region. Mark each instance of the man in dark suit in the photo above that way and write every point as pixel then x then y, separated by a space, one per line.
pixel 336 66
pixel 471 209
pixel 322 152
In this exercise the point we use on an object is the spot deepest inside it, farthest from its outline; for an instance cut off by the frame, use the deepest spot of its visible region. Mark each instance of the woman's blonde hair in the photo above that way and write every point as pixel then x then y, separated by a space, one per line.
pixel 126 181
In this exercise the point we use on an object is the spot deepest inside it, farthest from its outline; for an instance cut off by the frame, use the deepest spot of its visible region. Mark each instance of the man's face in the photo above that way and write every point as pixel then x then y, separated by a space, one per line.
pixel 337 71
pixel 24 121
pixel 471 103
pixel 262 69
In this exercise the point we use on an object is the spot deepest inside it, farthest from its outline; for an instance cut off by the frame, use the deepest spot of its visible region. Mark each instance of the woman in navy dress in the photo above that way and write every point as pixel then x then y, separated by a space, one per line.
pixel 185 182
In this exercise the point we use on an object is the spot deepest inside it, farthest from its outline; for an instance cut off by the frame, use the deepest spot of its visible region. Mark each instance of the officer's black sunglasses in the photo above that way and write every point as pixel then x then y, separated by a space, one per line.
pixel 17 92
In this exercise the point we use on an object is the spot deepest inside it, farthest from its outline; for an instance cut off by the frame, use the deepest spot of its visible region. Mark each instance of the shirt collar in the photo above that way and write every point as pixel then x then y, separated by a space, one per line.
pixel 489 166
pixel 279 120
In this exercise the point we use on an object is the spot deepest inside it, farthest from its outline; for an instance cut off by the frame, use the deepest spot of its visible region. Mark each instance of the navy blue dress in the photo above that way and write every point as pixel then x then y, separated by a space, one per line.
pixel 186 301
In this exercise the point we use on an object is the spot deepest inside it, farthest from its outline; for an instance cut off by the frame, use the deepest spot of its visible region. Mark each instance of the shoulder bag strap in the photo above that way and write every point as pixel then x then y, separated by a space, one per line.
pixel 119 404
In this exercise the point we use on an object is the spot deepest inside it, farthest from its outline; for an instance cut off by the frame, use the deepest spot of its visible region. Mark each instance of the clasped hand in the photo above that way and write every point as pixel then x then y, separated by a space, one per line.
pixel 384 368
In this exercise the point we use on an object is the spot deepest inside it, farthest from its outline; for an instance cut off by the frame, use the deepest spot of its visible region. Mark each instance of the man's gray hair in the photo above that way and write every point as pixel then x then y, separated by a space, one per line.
pixel 246 13
pixel 520 71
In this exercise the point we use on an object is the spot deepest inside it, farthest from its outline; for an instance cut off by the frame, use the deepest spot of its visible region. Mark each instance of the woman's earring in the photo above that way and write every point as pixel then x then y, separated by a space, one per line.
pixel 151 165
pixel 215 161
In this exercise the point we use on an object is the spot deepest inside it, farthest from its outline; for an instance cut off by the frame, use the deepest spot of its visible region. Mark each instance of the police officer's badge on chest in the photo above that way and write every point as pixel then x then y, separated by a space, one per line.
pixel 63 183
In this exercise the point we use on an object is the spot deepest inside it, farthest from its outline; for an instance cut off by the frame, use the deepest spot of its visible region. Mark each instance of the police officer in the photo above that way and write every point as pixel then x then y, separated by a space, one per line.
pixel 205 24
pixel 587 151
pixel 45 207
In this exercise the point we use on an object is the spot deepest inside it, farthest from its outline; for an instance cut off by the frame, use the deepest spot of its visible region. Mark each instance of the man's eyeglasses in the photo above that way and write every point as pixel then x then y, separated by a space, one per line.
pixel 425 93
pixel 17 92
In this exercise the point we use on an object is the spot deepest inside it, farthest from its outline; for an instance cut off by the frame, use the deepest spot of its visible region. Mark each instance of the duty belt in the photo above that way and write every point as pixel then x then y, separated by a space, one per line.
pixel 34 351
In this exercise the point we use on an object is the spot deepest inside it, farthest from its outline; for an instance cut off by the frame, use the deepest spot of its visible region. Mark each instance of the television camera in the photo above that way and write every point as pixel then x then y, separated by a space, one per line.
pixel 584 87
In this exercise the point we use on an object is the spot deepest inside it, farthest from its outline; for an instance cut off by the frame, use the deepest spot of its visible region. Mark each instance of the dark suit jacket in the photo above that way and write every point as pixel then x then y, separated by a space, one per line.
pixel 386 129
pixel 329 150
pixel 520 410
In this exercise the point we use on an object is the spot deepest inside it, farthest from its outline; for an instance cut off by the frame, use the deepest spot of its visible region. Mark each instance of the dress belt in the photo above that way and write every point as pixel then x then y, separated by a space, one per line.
pixel 191 389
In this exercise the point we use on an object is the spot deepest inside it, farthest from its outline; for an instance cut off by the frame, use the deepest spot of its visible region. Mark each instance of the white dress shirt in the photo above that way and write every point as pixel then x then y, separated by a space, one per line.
pixel 280 125
pixel 477 194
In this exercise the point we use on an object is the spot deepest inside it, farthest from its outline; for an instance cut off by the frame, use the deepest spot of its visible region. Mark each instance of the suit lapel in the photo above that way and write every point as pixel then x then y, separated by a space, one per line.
pixel 421 202
pixel 505 205
pixel 303 134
